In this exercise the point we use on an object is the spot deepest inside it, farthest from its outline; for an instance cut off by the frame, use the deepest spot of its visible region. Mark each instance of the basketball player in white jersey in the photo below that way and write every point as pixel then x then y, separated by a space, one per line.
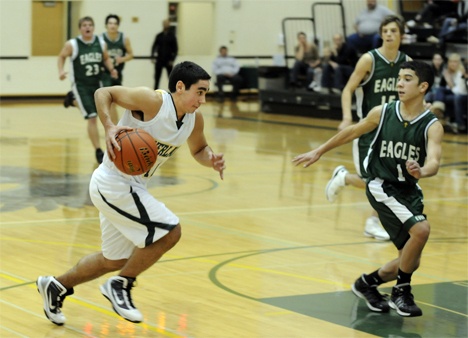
pixel 137 229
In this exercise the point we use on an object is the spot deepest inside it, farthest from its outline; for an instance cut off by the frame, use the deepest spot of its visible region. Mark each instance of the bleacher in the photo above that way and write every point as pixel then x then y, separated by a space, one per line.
pixel 275 94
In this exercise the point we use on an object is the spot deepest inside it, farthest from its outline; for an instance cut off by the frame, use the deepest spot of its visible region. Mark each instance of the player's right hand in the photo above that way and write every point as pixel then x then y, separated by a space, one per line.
pixel 111 142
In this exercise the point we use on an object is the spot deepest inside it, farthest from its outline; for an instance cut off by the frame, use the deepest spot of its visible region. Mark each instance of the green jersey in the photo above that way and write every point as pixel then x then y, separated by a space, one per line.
pixel 381 85
pixel 397 141
pixel 116 48
pixel 379 88
pixel 87 61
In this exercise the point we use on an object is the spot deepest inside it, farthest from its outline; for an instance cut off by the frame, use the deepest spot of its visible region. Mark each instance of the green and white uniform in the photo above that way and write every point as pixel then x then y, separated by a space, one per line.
pixel 379 88
pixel 391 190
pixel 115 48
pixel 85 75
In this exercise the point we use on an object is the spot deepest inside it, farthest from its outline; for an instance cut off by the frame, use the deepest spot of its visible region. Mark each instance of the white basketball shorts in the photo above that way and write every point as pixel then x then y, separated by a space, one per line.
pixel 130 216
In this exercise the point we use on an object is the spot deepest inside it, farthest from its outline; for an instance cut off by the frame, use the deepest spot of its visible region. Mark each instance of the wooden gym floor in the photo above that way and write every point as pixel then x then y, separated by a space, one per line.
pixel 263 254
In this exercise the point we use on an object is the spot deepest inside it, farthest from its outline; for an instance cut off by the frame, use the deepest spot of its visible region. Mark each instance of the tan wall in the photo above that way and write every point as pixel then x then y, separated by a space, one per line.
pixel 251 29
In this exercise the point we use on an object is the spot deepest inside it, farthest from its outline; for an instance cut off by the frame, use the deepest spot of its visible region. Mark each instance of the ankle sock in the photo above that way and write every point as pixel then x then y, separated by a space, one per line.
pixel 373 278
pixel 403 277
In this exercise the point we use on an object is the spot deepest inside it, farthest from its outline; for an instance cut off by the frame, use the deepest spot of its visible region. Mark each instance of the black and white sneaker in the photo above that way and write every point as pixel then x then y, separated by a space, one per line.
pixel 68 101
pixel 53 294
pixel 374 299
pixel 402 300
pixel 117 291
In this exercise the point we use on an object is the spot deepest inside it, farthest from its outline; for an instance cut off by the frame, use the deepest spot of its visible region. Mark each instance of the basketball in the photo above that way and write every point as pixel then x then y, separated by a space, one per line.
pixel 138 151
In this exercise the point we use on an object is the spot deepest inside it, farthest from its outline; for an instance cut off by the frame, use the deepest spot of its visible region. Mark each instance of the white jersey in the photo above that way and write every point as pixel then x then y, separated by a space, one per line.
pixel 164 129
pixel 130 216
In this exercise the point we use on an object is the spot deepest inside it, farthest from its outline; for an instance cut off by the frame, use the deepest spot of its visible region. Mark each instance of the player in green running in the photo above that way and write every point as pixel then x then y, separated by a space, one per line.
pixel 406 146
pixel 88 55
pixel 374 83
pixel 120 51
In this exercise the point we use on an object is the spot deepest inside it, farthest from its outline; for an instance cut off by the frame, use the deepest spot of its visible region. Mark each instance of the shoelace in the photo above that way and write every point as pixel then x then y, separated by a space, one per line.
pixel 61 299
pixel 407 299
pixel 128 295
pixel 125 292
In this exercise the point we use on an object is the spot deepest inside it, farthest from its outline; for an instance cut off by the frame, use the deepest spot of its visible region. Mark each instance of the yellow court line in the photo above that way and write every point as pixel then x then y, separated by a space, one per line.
pixel 444 309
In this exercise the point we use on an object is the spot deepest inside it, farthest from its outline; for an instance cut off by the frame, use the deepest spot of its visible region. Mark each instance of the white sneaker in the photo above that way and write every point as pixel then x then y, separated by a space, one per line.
pixel 312 85
pixel 117 291
pixel 411 23
pixel 53 294
pixel 374 229
pixel 336 183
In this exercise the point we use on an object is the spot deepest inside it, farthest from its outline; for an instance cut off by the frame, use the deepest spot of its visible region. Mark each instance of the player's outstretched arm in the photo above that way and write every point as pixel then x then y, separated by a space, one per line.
pixel 345 136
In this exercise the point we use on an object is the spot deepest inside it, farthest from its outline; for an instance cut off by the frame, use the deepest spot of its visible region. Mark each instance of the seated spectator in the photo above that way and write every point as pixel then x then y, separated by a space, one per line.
pixel 307 63
pixel 432 12
pixel 460 100
pixel 338 64
pixel 437 65
pixel 444 100
pixel 226 68
pixel 367 26
pixel 456 26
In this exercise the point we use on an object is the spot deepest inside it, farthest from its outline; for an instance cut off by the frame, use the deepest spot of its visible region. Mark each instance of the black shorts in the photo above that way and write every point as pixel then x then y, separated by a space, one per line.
pixel 399 208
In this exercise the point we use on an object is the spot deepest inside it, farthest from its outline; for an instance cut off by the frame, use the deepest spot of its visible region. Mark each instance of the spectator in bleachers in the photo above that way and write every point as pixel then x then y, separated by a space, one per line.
pixel 307 63
pixel 437 65
pixel 338 64
pixel 433 11
pixel 226 68
pixel 444 101
pixel 455 27
pixel 460 100
pixel 367 25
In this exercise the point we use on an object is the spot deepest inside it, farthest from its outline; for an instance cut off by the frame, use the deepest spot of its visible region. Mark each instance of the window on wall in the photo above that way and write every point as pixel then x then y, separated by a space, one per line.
pixel 48 28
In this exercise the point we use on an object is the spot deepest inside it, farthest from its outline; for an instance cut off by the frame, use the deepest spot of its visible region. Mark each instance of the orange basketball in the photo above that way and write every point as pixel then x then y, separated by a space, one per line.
pixel 138 151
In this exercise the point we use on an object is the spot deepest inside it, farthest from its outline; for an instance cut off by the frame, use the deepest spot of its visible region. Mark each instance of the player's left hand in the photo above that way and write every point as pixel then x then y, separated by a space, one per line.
pixel 218 164
pixel 413 168
pixel 307 158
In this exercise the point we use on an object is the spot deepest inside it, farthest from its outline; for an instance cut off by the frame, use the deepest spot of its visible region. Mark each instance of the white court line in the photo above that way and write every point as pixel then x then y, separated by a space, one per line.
pixel 12 331
pixel 68 327
pixel 228 211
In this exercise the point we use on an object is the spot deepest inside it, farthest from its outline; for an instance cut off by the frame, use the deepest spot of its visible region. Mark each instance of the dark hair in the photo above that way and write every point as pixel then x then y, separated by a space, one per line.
pixel 86 18
pixel 393 18
pixel 422 70
pixel 187 72
pixel 112 16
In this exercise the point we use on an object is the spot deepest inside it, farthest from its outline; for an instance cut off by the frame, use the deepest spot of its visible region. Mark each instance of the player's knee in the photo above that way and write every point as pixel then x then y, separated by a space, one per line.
pixel 172 238
pixel 176 234
pixel 114 265
pixel 421 231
